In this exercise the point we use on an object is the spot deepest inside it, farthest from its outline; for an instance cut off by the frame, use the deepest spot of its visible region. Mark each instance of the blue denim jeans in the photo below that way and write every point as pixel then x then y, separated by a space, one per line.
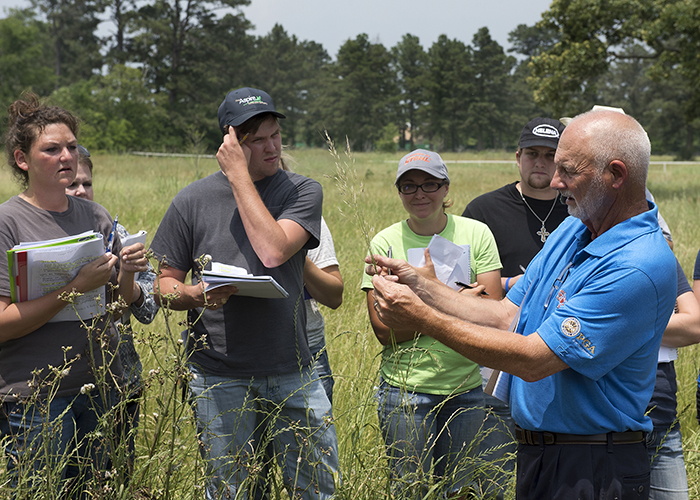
pixel 425 430
pixel 668 477
pixel 498 448
pixel 50 437
pixel 323 367
pixel 238 417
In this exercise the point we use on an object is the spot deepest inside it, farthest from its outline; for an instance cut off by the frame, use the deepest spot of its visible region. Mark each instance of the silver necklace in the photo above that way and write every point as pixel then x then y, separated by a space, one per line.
pixel 542 233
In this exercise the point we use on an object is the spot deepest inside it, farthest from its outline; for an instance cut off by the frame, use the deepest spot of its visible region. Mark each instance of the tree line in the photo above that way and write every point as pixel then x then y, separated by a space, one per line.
pixel 156 80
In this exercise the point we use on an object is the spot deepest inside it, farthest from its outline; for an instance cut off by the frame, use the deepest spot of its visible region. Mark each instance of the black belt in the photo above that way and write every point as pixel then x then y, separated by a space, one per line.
pixel 536 438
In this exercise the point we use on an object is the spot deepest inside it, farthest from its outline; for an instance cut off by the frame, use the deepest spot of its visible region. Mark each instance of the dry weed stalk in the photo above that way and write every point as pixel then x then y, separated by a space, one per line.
pixel 350 188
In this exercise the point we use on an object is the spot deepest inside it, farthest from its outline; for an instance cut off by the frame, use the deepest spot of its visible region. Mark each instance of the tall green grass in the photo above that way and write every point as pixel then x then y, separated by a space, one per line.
pixel 139 190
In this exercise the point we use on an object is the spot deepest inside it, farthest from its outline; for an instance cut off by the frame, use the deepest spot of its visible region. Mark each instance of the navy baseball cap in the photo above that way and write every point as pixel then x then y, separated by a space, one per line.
pixel 541 132
pixel 243 104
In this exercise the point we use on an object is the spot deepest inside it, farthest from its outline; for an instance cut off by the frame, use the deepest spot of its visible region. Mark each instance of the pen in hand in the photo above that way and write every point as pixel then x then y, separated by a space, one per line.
pixel 464 285
pixel 228 129
pixel 110 240
pixel 389 254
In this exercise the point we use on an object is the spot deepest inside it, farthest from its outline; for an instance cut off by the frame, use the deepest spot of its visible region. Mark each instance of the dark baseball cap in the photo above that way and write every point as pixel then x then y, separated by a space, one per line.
pixel 541 132
pixel 243 104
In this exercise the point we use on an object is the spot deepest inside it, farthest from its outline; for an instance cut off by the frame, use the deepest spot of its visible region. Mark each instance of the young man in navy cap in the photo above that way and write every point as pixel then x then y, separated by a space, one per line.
pixel 252 372
pixel 520 215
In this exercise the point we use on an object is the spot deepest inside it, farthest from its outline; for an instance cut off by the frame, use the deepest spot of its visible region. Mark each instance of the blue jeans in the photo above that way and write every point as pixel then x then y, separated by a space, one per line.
pixel 323 367
pixel 47 438
pixel 425 430
pixel 668 477
pixel 498 447
pixel 236 418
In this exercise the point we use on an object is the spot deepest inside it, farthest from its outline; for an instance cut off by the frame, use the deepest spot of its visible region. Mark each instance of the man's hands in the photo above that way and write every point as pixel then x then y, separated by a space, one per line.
pixel 395 283
pixel 233 157
pixel 171 282
pixel 217 298
pixel 397 306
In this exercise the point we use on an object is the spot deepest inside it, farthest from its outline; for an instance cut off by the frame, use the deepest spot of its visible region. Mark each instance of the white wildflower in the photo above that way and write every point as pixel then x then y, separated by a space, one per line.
pixel 86 388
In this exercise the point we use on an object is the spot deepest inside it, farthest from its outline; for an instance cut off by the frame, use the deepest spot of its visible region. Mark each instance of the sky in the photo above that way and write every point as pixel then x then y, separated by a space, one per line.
pixel 332 22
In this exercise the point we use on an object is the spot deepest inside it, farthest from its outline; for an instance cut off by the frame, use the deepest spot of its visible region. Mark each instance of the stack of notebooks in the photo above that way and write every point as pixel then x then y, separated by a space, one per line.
pixel 40 267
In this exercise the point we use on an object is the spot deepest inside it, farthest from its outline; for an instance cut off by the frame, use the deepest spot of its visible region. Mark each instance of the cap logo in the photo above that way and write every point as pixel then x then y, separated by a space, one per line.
pixel 546 131
pixel 253 99
pixel 417 157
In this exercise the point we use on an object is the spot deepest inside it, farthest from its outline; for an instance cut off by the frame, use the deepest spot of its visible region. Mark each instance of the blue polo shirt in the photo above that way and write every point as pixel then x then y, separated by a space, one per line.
pixel 602 306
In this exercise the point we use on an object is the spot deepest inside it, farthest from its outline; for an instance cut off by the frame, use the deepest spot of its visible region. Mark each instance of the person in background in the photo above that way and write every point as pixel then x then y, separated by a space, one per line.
pixel 588 316
pixel 430 400
pixel 255 381
pixel 668 477
pixel 323 283
pixel 521 215
pixel 696 291
pixel 143 308
pixel 42 152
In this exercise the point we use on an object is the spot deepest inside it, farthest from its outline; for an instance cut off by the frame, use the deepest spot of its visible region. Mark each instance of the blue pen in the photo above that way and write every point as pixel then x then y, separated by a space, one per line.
pixel 110 241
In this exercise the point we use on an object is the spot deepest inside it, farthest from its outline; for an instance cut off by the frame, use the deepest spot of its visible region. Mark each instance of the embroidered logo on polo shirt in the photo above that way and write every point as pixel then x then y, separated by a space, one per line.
pixel 570 327
pixel 561 298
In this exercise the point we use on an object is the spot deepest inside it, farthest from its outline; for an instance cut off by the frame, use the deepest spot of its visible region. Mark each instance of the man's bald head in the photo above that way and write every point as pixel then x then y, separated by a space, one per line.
pixel 610 135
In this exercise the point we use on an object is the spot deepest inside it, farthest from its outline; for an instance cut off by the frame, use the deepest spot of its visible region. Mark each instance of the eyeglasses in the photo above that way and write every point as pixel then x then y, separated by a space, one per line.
pixel 426 187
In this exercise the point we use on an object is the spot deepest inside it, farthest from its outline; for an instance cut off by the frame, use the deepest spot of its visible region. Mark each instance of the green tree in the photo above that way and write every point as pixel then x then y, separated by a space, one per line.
pixel 449 89
pixel 360 96
pixel 289 70
pixel 72 27
pixel 25 56
pixel 489 112
pixel 181 45
pixel 121 13
pixel 594 34
pixel 526 41
pixel 117 111
pixel 410 60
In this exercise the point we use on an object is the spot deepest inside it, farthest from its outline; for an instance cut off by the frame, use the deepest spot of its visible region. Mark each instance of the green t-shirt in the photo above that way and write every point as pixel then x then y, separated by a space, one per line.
pixel 423 364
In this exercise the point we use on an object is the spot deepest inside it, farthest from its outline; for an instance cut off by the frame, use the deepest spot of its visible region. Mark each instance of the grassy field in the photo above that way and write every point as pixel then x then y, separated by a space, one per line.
pixel 359 200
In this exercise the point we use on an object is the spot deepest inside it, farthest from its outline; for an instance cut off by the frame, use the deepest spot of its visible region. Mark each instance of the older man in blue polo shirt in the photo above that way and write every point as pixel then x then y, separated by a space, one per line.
pixel 589 312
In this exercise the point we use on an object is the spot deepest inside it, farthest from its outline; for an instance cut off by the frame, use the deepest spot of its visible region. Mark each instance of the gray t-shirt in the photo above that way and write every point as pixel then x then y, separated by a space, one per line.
pixel 248 336
pixel 322 256
pixel 23 222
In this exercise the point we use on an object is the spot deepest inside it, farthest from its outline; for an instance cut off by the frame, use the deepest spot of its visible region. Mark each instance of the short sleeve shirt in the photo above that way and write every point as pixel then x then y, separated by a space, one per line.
pixel 248 336
pixel 601 306
pixel 424 364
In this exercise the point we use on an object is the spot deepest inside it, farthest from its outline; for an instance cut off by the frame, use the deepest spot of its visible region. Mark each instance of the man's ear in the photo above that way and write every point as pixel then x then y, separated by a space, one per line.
pixel 618 171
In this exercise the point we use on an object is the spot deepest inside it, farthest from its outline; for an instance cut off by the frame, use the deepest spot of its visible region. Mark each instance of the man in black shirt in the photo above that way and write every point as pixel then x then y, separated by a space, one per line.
pixel 521 215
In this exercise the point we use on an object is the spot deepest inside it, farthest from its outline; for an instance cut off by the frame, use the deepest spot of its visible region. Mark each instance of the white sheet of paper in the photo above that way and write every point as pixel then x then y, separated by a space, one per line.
pixel 139 237
pixel 452 262
pixel 667 354
pixel 247 284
